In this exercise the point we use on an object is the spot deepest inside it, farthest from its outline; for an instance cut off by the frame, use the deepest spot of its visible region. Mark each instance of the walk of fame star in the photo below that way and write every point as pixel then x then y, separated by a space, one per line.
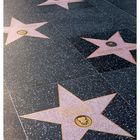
pixel 114 45
pixel 62 3
pixel 17 29
pixel 77 117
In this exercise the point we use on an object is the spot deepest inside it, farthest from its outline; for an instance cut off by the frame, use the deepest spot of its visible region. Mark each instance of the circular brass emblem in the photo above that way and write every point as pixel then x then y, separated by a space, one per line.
pixel 22 32
pixel 111 44
pixel 83 121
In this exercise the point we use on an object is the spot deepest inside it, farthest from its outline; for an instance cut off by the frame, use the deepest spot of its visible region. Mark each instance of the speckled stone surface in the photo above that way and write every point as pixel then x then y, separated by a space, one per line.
pixel 34 66
pixel 128 6
pixel 116 13
pixel 124 82
pixel 12 126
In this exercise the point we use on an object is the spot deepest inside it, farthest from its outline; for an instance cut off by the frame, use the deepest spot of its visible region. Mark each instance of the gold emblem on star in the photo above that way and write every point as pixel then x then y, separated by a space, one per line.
pixel 22 32
pixel 111 44
pixel 83 121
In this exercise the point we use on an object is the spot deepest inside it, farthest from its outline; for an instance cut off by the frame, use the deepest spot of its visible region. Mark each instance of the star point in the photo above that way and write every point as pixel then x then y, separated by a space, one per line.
pixel 114 45
pixel 17 30
pixel 61 3
pixel 77 117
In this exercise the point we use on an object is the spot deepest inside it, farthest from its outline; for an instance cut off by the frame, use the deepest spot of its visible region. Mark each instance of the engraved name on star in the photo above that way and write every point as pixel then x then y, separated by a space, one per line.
pixel 77 117
pixel 62 3
pixel 114 45
pixel 18 29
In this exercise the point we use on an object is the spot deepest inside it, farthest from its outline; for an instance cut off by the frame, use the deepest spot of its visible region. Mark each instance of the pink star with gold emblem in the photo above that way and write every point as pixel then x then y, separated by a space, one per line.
pixel 114 45
pixel 62 3
pixel 17 29
pixel 77 117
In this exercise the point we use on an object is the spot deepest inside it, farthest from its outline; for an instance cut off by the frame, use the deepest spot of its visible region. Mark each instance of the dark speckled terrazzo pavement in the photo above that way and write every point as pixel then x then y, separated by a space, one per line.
pixel 34 66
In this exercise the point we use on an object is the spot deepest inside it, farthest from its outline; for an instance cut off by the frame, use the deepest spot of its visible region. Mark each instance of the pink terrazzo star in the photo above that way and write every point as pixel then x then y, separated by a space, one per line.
pixel 77 117
pixel 62 3
pixel 114 45
pixel 17 29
